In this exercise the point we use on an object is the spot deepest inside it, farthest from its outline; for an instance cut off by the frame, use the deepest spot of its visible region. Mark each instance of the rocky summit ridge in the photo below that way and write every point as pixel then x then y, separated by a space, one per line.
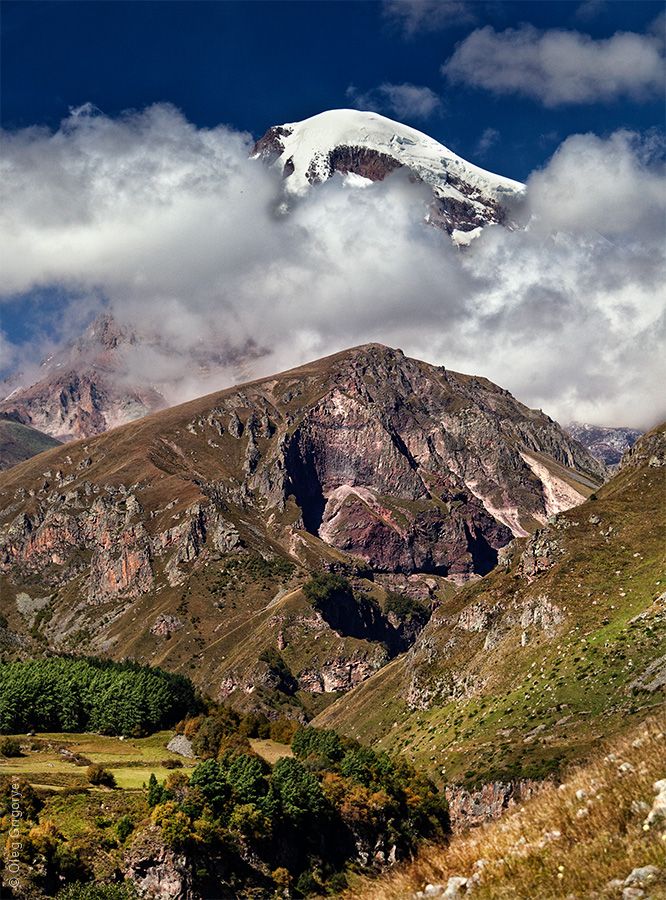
pixel 205 519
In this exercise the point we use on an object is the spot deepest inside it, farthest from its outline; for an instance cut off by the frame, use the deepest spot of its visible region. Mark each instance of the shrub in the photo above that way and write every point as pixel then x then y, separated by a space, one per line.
pixel 124 828
pixel 231 745
pixel 406 609
pixel 30 801
pixel 250 821
pixel 211 730
pixel 177 831
pixel 10 747
pixel 282 879
pixel 307 884
pixel 337 883
pixel 255 725
pixel 210 832
pixel 283 730
pixel 190 726
pixel 321 589
pixel 175 785
pixel 98 775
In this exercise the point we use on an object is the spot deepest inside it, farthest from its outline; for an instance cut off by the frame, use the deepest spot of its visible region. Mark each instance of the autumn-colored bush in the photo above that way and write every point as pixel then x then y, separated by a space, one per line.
pixel 282 730
pixel 190 726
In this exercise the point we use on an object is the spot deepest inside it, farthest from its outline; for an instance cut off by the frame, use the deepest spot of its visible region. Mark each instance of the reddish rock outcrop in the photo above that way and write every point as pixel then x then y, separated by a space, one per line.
pixel 470 808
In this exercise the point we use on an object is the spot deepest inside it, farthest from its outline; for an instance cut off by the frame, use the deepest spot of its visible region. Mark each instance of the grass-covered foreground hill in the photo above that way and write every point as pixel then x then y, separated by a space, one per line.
pixel 562 645
pixel 600 835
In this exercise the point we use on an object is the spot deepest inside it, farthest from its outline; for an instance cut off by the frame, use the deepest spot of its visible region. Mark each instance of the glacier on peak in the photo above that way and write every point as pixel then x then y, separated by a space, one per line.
pixel 371 146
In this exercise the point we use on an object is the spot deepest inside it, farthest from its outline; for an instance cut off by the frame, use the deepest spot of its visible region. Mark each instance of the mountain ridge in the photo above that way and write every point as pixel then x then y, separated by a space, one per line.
pixel 19 442
pixel 84 388
pixel 366 463
pixel 606 443
pixel 104 378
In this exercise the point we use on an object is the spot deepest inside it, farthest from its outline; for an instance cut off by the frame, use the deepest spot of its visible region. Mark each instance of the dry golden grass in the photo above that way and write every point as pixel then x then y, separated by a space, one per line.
pixel 271 751
pixel 565 842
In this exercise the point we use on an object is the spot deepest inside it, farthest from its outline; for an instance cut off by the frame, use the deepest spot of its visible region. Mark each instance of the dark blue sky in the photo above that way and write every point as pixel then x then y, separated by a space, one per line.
pixel 253 64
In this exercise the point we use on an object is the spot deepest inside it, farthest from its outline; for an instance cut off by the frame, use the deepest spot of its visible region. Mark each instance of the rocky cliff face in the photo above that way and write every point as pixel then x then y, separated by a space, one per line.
pixel 560 644
pixel 157 872
pixel 414 468
pixel 471 808
pixel 368 461
pixel 648 451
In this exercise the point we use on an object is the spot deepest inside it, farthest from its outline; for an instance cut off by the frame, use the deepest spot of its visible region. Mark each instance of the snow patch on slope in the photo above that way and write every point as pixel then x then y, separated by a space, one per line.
pixel 307 145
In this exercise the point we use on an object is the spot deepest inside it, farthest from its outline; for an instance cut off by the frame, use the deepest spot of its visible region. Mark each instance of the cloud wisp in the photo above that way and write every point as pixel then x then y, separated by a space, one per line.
pixel 405 101
pixel 558 67
pixel 418 16
pixel 488 139
pixel 195 244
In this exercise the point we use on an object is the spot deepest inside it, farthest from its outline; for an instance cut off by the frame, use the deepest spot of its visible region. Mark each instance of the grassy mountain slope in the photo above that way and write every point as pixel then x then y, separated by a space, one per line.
pixel 583 840
pixel 20 442
pixel 564 643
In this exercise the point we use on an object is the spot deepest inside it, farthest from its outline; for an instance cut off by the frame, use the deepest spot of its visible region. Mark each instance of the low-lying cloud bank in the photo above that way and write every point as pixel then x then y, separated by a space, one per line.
pixel 186 237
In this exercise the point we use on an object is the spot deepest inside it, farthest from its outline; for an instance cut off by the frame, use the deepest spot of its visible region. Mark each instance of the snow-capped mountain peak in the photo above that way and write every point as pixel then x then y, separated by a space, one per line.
pixel 371 146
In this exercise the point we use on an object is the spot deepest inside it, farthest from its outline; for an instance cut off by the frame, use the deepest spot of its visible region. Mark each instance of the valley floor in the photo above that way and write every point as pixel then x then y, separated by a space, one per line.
pixel 58 761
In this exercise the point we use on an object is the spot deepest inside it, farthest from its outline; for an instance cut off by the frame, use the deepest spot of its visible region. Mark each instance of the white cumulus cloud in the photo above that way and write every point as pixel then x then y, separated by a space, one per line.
pixel 185 237
pixel 557 67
